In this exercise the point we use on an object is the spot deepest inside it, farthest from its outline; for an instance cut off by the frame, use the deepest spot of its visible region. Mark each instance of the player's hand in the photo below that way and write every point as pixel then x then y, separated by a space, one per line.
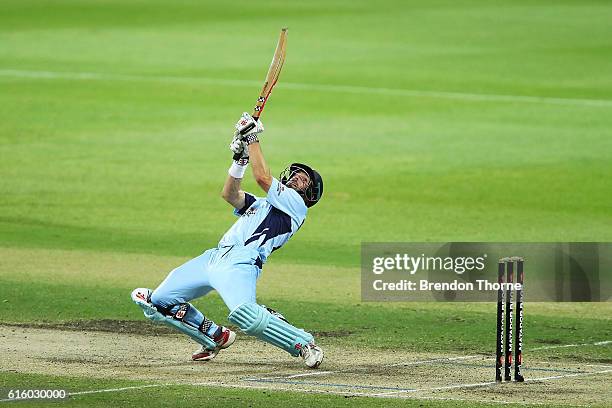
pixel 239 147
pixel 248 126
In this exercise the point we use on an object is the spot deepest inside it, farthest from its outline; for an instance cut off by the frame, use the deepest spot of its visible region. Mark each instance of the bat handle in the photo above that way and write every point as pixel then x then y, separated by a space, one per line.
pixel 244 131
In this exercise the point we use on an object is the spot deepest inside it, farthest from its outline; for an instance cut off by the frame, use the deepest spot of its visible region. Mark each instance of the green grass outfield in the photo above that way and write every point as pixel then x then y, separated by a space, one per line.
pixel 177 395
pixel 429 121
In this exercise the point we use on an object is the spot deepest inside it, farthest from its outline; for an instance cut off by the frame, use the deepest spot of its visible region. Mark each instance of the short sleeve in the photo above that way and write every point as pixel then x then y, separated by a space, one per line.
pixel 249 199
pixel 287 200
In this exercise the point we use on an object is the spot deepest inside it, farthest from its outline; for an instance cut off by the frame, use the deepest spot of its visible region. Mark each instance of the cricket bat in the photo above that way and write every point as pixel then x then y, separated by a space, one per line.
pixel 273 73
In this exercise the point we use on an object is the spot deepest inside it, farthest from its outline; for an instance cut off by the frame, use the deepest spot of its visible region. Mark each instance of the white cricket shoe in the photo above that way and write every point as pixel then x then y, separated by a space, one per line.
pixel 225 339
pixel 142 296
pixel 312 355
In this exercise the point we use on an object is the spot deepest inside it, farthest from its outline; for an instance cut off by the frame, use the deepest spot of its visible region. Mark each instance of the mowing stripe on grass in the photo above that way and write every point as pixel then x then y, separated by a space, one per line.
pixel 352 89
pixel 598 343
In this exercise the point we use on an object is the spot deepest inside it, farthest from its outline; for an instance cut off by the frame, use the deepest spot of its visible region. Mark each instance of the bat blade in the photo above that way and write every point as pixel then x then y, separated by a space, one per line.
pixel 271 78
pixel 273 73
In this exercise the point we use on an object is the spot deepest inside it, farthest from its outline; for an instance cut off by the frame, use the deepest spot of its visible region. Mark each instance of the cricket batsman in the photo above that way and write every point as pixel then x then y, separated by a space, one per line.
pixel 264 225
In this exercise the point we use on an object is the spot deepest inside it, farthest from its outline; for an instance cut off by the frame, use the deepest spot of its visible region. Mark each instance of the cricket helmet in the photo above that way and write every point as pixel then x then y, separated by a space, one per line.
pixel 312 194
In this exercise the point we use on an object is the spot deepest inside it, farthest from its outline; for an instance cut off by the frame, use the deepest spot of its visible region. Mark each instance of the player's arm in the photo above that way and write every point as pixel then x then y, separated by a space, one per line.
pixel 247 130
pixel 231 190
pixel 261 172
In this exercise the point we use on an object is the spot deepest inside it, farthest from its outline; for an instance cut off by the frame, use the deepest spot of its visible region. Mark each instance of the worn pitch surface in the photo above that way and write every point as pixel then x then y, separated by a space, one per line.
pixel 163 360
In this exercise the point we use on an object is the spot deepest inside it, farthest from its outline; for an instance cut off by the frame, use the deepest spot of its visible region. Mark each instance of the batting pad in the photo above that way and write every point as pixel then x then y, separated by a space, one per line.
pixel 152 313
pixel 255 320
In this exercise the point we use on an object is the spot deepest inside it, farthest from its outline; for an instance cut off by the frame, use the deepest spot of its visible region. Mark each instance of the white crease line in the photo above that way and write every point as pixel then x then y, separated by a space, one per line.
pixel 369 395
pixel 135 387
pixel 556 377
pixel 280 387
pixel 362 394
pixel 452 387
pixel 434 360
pixel 445 387
pixel 310 374
pixel 313 87
pixel 445 359
pixel 599 343
pixel 442 359
pixel 285 377
pixel 486 384
pixel 303 390
pixel 598 365
pixel 410 363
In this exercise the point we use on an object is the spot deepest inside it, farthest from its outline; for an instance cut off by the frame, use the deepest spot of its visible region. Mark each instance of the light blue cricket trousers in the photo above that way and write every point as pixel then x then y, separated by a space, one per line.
pixel 231 271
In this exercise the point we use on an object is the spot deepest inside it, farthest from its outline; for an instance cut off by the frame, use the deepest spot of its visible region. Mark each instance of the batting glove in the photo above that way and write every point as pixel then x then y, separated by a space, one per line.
pixel 239 146
pixel 248 128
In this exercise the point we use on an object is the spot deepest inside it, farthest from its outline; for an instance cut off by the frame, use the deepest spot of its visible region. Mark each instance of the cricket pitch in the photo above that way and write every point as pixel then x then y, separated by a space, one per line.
pixel 164 360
